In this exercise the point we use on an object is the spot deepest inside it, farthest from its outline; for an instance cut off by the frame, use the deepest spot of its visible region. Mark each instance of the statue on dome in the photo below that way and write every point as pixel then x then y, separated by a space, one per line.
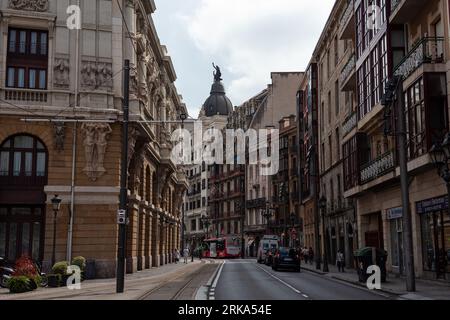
pixel 217 73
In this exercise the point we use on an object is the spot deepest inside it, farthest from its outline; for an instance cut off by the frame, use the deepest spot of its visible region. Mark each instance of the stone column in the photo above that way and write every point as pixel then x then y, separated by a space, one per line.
pixel 142 236
pixel 155 245
pixel 132 234
pixel 148 239
pixel 348 262
pixel 162 242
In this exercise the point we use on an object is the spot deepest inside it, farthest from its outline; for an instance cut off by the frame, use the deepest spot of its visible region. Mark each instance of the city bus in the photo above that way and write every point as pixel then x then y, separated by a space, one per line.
pixel 223 248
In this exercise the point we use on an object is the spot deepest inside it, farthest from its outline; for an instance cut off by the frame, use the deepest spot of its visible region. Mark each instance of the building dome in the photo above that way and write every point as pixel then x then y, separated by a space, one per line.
pixel 217 103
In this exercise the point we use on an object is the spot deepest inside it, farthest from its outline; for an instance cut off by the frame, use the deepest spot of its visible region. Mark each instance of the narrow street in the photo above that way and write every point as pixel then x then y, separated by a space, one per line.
pixel 248 280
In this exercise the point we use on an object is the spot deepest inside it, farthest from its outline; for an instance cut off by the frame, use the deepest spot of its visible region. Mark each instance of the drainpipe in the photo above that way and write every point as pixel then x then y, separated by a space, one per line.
pixel 74 147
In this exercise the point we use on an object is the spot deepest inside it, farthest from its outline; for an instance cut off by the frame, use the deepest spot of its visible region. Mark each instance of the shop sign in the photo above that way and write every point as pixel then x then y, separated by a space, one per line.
pixel 394 213
pixel 432 205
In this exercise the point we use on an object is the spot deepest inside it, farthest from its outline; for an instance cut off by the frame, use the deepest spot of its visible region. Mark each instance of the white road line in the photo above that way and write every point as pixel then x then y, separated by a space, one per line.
pixel 283 282
pixel 214 285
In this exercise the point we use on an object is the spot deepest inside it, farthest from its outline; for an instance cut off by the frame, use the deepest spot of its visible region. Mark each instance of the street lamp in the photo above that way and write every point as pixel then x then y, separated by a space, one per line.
pixel 205 222
pixel 323 207
pixel 56 203
pixel 267 214
pixel 440 155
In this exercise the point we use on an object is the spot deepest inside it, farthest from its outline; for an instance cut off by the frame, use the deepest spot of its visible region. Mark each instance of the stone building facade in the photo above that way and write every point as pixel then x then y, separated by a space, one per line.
pixel 411 41
pixel 49 71
pixel 278 102
pixel 285 184
pixel 334 52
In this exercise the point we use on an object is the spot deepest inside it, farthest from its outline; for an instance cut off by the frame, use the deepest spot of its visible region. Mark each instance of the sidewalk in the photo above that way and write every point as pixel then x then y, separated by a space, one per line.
pixel 136 285
pixel 425 289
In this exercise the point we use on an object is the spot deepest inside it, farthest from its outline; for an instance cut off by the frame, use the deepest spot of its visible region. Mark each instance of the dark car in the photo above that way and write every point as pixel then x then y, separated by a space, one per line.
pixel 286 258
pixel 268 260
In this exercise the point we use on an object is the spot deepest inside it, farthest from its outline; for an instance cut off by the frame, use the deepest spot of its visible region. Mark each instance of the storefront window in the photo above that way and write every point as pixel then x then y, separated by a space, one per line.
pixel 436 242
pixel 397 243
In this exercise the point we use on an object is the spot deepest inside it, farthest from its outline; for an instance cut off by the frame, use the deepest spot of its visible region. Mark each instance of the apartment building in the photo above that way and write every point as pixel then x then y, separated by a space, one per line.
pixel 279 102
pixel 411 40
pixel 335 53
pixel 286 186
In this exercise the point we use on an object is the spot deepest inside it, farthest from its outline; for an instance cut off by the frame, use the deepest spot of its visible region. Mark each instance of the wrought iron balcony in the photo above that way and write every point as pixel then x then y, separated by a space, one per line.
pixel 348 74
pixel 350 123
pixel 378 167
pixel 427 50
pixel 256 203
pixel 347 22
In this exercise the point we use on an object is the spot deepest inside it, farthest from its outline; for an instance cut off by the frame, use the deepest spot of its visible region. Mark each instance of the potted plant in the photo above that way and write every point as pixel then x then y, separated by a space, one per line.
pixel 81 263
pixel 60 268
pixel 25 277
pixel 20 284
pixel 54 280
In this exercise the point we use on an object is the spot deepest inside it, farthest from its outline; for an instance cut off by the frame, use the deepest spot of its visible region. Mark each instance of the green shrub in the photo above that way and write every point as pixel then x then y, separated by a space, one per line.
pixel 80 262
pixel 54 280
pixel 60 267
pixel 37 279
pixel 20 284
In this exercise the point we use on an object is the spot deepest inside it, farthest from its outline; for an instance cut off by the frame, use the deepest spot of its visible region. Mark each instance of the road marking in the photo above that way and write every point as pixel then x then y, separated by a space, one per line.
pixel 283 282
pixel 214 285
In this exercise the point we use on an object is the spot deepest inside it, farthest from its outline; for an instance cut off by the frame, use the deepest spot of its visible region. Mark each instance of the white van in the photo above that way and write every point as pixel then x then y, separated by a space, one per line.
pixel 267 242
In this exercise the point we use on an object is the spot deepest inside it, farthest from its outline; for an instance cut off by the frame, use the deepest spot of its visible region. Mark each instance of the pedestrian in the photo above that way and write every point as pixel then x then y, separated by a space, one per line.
pixel 340 261
pixel 186 255
pixel 176 255
pixel 310 255
pixel 305 255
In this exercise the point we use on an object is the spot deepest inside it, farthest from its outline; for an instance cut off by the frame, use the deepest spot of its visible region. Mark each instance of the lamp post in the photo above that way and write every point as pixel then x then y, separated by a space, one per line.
pixel 56 203
pixel 440 155
pixel 267 214
pixel 323 206
pixel 205 222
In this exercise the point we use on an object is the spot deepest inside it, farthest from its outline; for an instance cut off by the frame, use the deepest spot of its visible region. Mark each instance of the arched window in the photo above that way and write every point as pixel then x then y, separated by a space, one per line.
pixel 23 159
pixel 23 175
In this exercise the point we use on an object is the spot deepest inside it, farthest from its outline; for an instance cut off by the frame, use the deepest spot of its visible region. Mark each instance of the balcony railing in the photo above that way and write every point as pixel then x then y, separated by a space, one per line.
pixel 377 167
pixel 348 13
pixel 394 4
pixel 256 203
pixel 350 123
pixel 25 95
pixel 348 70
pixel 427 50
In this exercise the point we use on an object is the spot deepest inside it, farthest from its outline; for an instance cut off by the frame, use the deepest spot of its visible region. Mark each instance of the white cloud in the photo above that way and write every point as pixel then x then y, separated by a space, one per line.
pixel 251 38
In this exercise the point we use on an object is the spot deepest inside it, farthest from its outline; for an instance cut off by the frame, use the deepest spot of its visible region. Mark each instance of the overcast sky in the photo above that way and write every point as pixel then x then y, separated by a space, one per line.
pixel 248 39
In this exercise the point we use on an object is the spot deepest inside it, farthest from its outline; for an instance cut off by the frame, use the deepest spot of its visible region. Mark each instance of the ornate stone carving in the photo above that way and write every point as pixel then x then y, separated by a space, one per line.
pixel 59 133
pixel 29 5
pixel 96 75
pixel 95 142
pixel 61 73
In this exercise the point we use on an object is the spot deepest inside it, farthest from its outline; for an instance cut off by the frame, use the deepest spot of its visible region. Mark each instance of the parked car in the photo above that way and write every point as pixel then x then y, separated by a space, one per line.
pixel 286 258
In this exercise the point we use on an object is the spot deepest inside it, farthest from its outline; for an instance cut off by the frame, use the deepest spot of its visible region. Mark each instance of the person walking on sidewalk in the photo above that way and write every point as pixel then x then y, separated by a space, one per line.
pixel 186 255
pixel 340 261
pixel 305 255
pixel 310 255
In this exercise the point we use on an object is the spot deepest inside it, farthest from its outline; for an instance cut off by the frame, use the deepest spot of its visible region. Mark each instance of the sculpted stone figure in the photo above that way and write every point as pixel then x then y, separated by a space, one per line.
pixel 61 72
pixel 95 144
pixel 29 5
